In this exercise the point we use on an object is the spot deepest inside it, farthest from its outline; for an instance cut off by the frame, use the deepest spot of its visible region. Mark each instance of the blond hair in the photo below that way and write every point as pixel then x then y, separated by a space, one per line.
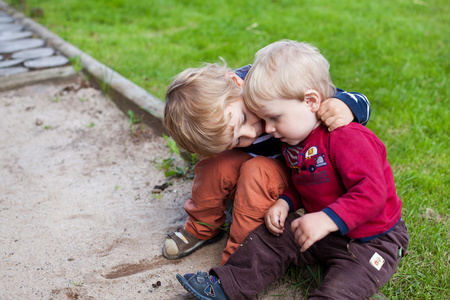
pixel 195 109
pixel 286 70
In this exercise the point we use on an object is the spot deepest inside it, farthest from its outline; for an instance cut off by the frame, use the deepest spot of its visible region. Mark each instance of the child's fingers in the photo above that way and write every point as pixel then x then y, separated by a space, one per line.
pixel 302 239
pixel 272 225
pixel 324 115
pixel 308 243
pixel 281 219
pixel 269 224
pixel 325 107
pixel 274 230
pixel 295 224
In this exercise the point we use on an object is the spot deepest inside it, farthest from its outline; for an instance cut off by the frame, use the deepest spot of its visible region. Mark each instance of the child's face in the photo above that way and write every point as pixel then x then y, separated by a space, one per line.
pixel 289 120
pixel 247 127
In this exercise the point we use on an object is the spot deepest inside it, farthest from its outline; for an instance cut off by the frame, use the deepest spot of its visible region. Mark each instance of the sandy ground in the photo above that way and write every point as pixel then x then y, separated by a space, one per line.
pixel 78 219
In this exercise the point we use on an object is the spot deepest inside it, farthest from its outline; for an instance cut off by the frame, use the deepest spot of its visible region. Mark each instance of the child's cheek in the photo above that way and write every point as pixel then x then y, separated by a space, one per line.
pixel 245 142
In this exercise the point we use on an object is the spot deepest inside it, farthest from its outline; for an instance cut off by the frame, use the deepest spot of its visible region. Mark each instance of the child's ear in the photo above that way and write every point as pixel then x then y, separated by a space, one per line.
pixel 313 99
pixel 238 80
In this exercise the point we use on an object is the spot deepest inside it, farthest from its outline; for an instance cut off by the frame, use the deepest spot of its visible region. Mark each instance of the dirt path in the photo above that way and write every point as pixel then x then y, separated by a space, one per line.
pixel 76 203
pixel 78 219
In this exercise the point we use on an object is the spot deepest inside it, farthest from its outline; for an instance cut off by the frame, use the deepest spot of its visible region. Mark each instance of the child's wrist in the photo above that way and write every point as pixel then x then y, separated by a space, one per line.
pixel 282 203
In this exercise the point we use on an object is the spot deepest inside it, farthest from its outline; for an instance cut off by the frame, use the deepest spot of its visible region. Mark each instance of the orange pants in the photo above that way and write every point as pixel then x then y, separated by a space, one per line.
pixel 254 185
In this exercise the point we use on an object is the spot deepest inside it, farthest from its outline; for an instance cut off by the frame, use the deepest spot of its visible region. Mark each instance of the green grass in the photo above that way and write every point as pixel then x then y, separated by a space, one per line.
pixel 395 52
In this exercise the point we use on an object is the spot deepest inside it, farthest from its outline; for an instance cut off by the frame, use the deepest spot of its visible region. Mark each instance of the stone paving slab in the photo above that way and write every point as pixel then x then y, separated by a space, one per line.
pixel 14 35
pixel 10 27
pixel 34 53
pixel 6 19
pixel 46 62
pixel 4 72
pixel 18 45
pixel 10 63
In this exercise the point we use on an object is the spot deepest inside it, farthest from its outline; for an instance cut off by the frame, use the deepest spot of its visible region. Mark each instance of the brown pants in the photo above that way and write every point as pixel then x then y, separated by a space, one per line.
pixel 352 269
pixel 253 184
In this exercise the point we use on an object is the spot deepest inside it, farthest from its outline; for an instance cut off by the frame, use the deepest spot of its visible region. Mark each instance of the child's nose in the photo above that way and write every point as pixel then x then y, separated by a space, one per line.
pixel 269 128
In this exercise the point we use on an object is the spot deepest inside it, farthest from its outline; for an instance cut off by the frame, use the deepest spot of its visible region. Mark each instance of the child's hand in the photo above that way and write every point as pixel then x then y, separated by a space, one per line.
pixel 334 113
pixel 275 217
pixel 311 228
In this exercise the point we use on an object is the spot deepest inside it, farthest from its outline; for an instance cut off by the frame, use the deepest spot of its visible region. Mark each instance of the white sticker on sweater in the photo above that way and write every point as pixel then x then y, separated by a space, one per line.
pixel 377 261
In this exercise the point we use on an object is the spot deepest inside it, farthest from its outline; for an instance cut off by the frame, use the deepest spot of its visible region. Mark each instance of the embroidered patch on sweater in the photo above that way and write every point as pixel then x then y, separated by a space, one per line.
pixel 377 261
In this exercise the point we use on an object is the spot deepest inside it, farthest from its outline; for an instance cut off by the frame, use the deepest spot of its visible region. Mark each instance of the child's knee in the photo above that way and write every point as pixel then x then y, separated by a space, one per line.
pixel 260 168
pixel 225 163
pixel 264 175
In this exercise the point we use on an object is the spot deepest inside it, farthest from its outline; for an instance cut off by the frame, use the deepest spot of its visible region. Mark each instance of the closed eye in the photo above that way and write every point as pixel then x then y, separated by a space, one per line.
pixel 243 119
pixel 274 118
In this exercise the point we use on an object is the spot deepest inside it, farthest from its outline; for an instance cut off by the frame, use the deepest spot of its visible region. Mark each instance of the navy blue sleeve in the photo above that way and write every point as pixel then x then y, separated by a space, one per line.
pixel 242 71
pixel 358 104
pixel 336 219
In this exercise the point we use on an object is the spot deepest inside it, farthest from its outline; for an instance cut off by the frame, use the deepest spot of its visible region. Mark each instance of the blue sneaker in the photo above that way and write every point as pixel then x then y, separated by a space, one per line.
pixel 202 286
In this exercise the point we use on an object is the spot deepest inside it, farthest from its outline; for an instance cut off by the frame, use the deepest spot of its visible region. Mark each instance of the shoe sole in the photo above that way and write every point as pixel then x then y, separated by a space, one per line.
pixel 188 288
pixel 194 248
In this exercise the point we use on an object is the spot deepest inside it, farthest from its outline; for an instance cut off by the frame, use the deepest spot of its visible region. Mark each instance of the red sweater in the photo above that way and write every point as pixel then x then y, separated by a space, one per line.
pixel 345 173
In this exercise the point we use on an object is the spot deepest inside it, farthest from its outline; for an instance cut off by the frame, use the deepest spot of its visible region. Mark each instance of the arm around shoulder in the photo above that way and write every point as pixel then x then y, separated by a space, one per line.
pixel 358 104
